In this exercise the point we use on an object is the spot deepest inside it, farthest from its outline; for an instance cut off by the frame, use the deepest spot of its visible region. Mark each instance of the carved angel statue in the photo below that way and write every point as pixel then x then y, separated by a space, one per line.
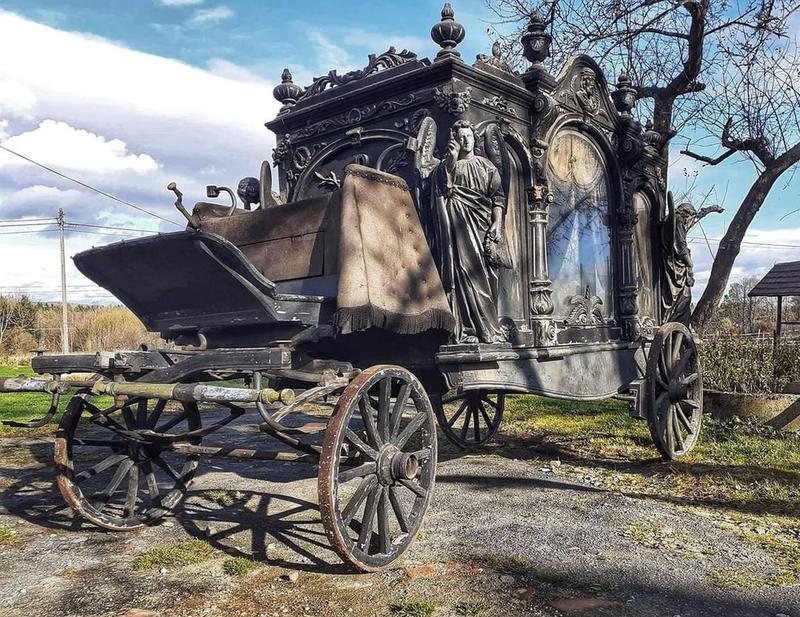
pixel 465 222
pixel 676 289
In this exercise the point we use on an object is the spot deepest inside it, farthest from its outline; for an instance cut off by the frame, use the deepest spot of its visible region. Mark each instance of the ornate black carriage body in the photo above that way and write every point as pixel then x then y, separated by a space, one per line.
pixel 347 284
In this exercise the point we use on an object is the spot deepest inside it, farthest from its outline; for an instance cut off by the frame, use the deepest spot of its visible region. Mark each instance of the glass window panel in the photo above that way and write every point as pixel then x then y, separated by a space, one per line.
pixel 642 245
pixel 578 231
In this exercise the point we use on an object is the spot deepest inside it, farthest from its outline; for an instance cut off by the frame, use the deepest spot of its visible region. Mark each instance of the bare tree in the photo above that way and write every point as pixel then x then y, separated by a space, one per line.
pixel 754 107
pixel 690 59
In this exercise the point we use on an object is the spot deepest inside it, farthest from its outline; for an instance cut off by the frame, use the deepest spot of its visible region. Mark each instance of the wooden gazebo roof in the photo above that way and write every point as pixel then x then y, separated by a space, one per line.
pixel 782 280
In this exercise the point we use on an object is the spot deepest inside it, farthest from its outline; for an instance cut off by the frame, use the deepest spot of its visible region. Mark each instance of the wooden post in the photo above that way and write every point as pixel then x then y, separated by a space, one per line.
pixel 64 311
pixel 776 343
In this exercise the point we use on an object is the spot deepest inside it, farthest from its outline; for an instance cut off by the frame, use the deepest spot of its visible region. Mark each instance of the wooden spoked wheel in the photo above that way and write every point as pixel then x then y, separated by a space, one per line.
pixel 674 391
pixel 113 480
pixel 377 467
pixel 474 419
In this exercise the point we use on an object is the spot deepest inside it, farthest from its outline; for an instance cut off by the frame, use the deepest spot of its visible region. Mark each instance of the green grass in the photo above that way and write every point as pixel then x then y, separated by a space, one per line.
pixel 237 566
pixel 223 497
pixel 734 465
pixel 7 536
pixel 413 608
pixel 178 554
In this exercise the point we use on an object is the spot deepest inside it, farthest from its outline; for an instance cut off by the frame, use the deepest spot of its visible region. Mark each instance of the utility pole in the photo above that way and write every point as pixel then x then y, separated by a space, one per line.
pixel 64 323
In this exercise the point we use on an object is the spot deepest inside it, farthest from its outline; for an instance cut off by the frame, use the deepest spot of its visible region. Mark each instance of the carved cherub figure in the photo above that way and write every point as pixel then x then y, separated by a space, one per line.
pixel 468 207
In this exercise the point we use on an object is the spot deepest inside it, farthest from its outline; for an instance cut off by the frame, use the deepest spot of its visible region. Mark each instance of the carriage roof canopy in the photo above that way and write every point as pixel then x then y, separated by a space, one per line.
pixel 782 280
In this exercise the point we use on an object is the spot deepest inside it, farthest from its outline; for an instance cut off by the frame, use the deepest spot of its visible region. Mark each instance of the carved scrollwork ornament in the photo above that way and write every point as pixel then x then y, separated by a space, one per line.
pixel 281 152
pixel 545 332
pixel 585 310
pixel 500 103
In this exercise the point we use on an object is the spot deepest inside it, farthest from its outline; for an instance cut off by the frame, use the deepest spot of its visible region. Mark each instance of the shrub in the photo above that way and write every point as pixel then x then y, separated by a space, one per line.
pixel 746 364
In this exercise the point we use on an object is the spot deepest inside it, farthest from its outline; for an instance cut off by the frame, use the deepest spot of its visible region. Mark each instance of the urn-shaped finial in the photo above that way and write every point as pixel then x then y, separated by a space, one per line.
pixel 535 41
pixel 287 92
pixel 447 34
pixel 624 95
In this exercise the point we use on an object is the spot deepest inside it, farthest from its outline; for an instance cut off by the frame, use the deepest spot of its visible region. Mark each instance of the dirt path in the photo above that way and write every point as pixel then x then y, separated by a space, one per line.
pixel 504 537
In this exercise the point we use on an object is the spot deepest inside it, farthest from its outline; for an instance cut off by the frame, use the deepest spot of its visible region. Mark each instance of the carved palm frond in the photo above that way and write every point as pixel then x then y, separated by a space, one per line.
pixel 585 310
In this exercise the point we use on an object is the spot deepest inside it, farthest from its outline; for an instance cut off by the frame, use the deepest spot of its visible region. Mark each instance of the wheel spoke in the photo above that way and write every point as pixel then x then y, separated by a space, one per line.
pixel 410 429
pixel 109 461
pixel 133 491
pixel 680 366
pixel 367 484
pixel 477 423
pixel 458 413
pixel 158 408
pixel 676 346
pixel 399 406
pixel 127 415
pixel 398 509
pixel 384 533
pixel 357 472
pixel 367 523
pixel 691 403
pixel 369 423
pixel 172 422
pixel 359 445
pixel 465 427
pixel 414 487
pixel 676 429
pixel 176 477
pixel 660 401
pixel 99 443
pixel 141 414
pixel 486 399
pixel 690 379
pixel 384 396
pixel 487 419
pixel 422 455
pixel 152 482
pixel 662 365
pixel 683 419
pixel 113 484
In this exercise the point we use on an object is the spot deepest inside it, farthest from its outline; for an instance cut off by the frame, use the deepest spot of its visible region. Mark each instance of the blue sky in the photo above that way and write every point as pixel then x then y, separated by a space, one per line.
pixel 130 95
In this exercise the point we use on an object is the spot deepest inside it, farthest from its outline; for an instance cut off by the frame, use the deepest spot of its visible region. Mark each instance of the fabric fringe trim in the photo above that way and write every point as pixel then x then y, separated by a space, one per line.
pixel 368 316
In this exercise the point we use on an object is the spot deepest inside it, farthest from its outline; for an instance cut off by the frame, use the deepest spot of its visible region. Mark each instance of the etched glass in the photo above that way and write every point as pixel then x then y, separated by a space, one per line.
pixel 578 227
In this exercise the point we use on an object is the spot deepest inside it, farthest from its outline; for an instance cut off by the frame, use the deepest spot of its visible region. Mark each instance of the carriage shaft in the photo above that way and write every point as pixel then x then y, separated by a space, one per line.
pixel 30 384
pixel 244 453
pixel 194 392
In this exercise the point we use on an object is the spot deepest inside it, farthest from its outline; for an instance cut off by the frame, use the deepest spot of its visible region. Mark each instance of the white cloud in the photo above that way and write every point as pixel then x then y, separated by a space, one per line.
pixel 57 144
pixel 330 54
pixel 229 70
pixel 109 111
pixel 217 13
pixel 180 2
pixel 16 98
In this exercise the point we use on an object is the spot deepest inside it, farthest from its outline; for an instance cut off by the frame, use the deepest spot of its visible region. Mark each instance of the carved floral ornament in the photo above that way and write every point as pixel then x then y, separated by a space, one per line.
pixel 585 310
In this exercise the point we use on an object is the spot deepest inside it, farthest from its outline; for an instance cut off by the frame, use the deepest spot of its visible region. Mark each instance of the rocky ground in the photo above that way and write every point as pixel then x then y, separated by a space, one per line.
pixel 510 532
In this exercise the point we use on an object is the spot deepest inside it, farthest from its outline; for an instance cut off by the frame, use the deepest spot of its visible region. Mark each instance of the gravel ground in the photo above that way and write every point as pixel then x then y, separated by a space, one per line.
pixel 503 537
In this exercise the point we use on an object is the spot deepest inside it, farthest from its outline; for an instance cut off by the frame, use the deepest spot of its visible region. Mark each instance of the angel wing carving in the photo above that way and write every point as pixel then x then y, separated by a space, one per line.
pixel 496 150
pixel 425 145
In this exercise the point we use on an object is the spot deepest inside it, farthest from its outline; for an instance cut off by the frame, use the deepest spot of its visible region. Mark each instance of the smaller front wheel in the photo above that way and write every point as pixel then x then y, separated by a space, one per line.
pixel 377 467
pixel 674 391
pixel 473 417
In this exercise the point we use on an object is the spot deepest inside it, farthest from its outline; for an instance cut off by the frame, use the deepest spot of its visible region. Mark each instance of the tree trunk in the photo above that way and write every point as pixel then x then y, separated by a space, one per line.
pixel 731 242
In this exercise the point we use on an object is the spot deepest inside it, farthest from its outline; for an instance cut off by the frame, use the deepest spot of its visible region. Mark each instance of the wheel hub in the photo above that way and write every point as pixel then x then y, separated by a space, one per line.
pixel 395 465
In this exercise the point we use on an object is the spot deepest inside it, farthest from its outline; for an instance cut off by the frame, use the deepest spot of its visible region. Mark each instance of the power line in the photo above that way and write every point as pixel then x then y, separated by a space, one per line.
pixel 88 186
pixel 150 231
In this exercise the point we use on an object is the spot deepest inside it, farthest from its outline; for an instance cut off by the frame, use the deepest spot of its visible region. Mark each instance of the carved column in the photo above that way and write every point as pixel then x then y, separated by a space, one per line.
pixel 536 47
pixel 630 147
pixel 541 305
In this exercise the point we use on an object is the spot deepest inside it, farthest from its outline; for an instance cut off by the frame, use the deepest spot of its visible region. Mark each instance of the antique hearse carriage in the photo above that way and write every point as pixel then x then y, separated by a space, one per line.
pixel 444 233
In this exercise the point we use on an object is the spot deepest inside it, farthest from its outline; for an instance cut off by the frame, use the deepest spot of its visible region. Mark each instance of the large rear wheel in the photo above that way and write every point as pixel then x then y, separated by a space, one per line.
pixel 377 467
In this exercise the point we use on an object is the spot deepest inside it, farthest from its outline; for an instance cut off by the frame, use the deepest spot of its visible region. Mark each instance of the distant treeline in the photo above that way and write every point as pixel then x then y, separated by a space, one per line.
pixel 27 326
